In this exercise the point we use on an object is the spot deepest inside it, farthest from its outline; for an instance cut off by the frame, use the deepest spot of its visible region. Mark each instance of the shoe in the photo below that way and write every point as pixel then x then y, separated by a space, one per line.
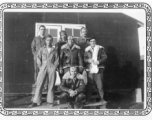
pixel 70 105
pixel 78 106
pixel 87 102
pixel 33 105
pixel 50 105
pixel 102 101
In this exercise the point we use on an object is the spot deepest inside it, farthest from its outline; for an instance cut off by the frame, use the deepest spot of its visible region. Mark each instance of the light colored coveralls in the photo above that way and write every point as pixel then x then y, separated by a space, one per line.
pixel 47 63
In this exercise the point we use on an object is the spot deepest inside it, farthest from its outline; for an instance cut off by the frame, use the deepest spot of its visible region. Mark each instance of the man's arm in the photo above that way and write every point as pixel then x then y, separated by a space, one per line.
pixel 39 58
pixel 80 59
pixel 86 58
pixel 102 55
pixel 63 87
pixel 61 59
pixel 56 62
pixel 81 87
pixel 33 46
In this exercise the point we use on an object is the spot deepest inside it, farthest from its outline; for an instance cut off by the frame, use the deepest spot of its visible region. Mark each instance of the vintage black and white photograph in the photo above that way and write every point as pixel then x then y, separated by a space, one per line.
pixel 74 58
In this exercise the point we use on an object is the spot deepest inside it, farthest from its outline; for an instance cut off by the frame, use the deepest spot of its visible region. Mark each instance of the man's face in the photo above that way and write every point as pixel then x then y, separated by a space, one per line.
pixel 48 41
pixel 73 72
pixel 63 36
pixel 84 32
pixel 42 30
pixel 92 42
pixel 70 40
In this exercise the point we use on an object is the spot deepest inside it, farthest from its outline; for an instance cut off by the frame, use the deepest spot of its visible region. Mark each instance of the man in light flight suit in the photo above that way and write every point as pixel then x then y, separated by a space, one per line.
pixel 47 61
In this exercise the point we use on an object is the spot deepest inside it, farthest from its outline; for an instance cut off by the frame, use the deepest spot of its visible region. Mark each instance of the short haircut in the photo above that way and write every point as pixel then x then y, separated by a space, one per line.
pixel 92 38
pixel 63 31
pixel 73 68
pixel 49 36
pixel 83 28
pixel 70 37
pixel 42 26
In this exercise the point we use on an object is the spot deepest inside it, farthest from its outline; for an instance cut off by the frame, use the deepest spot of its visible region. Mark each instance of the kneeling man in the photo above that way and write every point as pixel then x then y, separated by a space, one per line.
pixel 73 88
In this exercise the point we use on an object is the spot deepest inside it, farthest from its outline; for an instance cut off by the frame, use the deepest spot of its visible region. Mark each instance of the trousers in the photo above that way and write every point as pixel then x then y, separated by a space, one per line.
pixel 98 79
pixel 41 79
pixel 78 99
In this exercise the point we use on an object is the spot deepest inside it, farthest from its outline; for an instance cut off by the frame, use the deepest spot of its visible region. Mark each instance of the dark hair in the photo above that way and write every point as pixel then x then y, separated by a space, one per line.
pixel 83 28
pixel 48 36
pixel 62 31
pixel 42 26
pixel 92 38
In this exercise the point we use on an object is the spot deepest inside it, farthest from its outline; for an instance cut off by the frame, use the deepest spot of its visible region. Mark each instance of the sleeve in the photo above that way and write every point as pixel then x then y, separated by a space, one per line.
pixel 81 87
pixel 39 58
pixel 80 59
pixel 56 62
pixel 63 87
pixel 61 59
pixel 33 46
pixel 102 55
pixel 86 57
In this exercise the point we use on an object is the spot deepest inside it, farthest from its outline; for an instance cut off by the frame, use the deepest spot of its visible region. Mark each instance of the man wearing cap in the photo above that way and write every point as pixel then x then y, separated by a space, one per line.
pixel 47 60
pixel 73 88
pixel 83 42
pixel 70 56
pixel 95 57
pixel 36 44
pixel 59 44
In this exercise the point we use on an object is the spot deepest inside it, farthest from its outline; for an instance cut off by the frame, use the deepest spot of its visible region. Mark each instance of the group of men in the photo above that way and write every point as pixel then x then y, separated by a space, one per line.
pixel 80 63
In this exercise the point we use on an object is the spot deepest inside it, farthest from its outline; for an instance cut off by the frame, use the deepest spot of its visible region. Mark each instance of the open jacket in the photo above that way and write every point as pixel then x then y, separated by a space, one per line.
pixel 74 84
pixel 101 56
pixel 58 46
pixel 70 57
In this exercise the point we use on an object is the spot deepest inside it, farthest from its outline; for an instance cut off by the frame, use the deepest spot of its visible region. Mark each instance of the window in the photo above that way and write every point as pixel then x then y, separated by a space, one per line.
pixel 54 29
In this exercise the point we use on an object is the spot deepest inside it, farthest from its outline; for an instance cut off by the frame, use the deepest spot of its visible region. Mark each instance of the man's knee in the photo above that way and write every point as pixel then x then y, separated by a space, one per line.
pixel 80 98
pixel 64 96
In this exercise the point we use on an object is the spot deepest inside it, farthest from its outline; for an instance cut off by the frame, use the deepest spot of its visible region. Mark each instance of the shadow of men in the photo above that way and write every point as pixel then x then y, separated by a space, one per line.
pixel 130 76
pixel 112 70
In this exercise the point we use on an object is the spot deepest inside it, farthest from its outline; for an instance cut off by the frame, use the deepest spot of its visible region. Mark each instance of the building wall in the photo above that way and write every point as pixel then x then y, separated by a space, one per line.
pixel 117 32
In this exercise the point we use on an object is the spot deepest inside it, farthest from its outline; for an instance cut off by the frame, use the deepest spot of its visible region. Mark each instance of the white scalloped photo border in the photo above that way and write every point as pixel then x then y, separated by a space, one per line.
pixel 82 112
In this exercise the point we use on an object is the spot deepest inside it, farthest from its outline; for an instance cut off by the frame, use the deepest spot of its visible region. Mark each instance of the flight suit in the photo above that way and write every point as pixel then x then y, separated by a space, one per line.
pixel 47 63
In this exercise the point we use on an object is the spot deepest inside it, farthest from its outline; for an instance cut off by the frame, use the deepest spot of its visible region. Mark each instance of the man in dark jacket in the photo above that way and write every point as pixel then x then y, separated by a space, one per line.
pixel 59 44
pixel 95 57
pixel 83 42
pixel 70 56
pixel 37 43
pixel 73 88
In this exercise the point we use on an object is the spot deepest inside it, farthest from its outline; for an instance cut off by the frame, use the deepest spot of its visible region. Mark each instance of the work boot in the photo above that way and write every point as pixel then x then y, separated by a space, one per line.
pixel 70 105
pixel 34 105
pixel 102 101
